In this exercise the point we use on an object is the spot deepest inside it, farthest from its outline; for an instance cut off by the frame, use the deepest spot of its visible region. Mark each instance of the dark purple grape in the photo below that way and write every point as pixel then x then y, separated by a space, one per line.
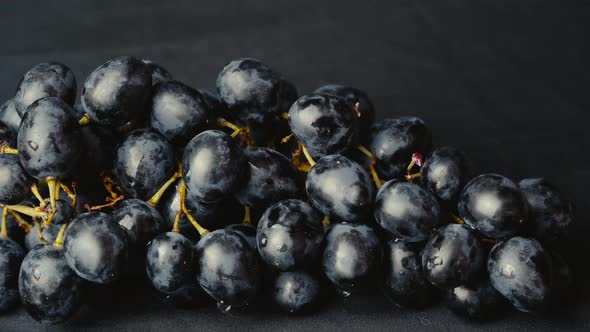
pixel 494 206
pixel 144 161
pixel 365 110
pixel 406 211
pixel 453 256
pixel 520 269
pixel 341 189
pixel 324 124
pixel 49 139
pixel 9 115
pixel 48 79
pixel 405 284
pixel 117 91
pixel 212 165
pixel 49 289
pixel 478 301
pixel 255 96
pixel 15 184
pixel 289 235
pixel 142 223
pixel 394 141
pixel 351 258
pixel 96 248
pixel 296 292
pixel 269 178
pixel 48 235
pixel 171 266
pixel 11 257
pixel 159 73
pixel 7 135
pixel 445 173
pixel 250 89
pixel 228 268
pixel 551 214
pixel 178 112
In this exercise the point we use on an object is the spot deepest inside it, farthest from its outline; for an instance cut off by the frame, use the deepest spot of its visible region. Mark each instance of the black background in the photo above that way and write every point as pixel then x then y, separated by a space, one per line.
pixel 507 81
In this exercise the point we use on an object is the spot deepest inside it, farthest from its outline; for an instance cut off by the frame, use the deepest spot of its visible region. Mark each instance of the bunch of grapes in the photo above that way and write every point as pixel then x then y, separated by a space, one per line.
pixel 255 192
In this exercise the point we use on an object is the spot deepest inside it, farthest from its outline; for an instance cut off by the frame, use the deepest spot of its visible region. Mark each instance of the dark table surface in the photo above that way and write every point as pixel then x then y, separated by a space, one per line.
pixel 507 81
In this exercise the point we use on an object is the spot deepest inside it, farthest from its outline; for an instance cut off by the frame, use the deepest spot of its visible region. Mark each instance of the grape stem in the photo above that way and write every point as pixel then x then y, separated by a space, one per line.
pixel 71 194
pixel 5 149
pixel 247 216
pixel 85 119
pixel 286 139
pixel 35 191
pixel 244 131
pixel 456 218
pixel 372 170
pixel 22 223
pixel 110 185
pixel 153 201
pixel 111 203
pixel 412 177
pixel 202 231
pixel 3 232
pixel 307 155
pixel 326 222
pixel 59 239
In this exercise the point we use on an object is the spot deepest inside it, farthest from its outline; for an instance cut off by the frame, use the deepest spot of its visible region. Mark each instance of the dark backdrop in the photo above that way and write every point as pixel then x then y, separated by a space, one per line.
pixel 507 81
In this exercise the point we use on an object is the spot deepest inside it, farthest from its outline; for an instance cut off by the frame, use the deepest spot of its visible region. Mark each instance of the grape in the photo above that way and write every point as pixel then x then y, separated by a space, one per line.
pixel 48 79
pixel 520 269
pixel 494 206
pixel 289 235
pixel 95 248
pixel 49 289
pixel 324 124
pixel 407 211
pixel 9 115
pixel 7 135
pixel 144 161
pixel 340 188
pixel 445 172
pixel 178 112
pixel 352 254
pixel 270 177
pixel 296 292
pixel 394 141
pixel 117 91
pixel 212 165
pixel 228 268
pixel 551 213
pixel 365 109
pixel 453 256
pixel 11 257
pixel 15 184
pixel 171 267
pixel 49 139
pixel 405 283
pixel 141 222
